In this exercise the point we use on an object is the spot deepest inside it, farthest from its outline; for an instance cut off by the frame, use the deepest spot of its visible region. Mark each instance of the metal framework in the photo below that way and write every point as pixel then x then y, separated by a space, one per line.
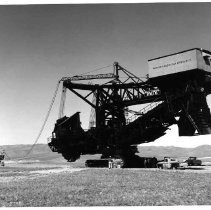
pixel 181 95
pixel 113 97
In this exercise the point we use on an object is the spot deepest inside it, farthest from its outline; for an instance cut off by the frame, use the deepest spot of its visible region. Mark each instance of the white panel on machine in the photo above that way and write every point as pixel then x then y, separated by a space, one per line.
pixel 180 62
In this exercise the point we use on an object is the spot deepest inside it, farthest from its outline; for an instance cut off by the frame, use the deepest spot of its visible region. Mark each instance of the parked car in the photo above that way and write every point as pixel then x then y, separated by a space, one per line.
pixel 193 161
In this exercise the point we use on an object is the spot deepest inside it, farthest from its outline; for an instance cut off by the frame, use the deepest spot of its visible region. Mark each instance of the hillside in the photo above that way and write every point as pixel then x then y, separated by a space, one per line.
pixel 178 152
pixel 39 152
pixel 43 152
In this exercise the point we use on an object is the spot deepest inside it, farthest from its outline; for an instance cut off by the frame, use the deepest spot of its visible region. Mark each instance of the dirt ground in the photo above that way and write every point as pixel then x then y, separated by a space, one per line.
pixel 17 170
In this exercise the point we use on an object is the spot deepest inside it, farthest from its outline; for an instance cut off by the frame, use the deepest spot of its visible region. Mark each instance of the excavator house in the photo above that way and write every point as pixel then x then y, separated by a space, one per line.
pixel 174 92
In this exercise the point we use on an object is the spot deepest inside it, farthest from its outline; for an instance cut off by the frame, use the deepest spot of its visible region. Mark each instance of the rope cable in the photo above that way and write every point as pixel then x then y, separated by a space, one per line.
pixel 46 118
pixel 43 125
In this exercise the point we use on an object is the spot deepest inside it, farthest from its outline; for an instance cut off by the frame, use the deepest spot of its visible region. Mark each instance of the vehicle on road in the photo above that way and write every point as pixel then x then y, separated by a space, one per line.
pixel 193 161
pixel 168 163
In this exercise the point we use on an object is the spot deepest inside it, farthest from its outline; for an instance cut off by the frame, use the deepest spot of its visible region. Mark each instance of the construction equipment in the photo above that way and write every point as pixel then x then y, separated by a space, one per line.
pixel 176 88
pixel 101 163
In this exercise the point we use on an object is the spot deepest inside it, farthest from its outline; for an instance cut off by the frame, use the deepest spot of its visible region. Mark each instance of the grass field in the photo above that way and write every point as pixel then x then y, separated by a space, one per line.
pixel 104 187
pixel 21 184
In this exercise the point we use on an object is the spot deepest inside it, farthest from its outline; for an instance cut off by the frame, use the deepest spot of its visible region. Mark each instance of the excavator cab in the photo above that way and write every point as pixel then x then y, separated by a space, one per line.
pixel 185 80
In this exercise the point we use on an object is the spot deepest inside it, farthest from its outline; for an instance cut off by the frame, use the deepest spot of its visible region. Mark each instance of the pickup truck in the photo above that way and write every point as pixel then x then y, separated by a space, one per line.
pixel 193 161
pixel 168 163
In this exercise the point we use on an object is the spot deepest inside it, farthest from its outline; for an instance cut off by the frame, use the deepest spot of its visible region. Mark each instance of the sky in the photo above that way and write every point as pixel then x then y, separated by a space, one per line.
pixel 39 44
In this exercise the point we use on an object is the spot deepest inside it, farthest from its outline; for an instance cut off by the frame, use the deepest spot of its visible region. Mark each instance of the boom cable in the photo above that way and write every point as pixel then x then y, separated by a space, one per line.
pixel 43 125
pixel 95 70
pixel 46 118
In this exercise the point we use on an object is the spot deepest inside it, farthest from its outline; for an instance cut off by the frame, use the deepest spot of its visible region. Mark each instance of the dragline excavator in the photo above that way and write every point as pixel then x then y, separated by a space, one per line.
pixel 174 93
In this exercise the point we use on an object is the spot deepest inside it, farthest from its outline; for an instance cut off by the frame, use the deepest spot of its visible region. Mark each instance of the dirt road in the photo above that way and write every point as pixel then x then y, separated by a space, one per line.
pixel 16 171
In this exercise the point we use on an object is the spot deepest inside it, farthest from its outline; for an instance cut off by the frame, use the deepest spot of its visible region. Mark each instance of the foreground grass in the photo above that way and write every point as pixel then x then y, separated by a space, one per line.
pixel 104 187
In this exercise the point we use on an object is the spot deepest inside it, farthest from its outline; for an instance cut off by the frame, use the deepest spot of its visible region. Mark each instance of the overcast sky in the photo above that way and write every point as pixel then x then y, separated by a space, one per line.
pixel 39 44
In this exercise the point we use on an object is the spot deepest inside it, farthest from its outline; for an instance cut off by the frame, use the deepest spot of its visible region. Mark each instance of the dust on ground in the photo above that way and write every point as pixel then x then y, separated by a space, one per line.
pixel 20 170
